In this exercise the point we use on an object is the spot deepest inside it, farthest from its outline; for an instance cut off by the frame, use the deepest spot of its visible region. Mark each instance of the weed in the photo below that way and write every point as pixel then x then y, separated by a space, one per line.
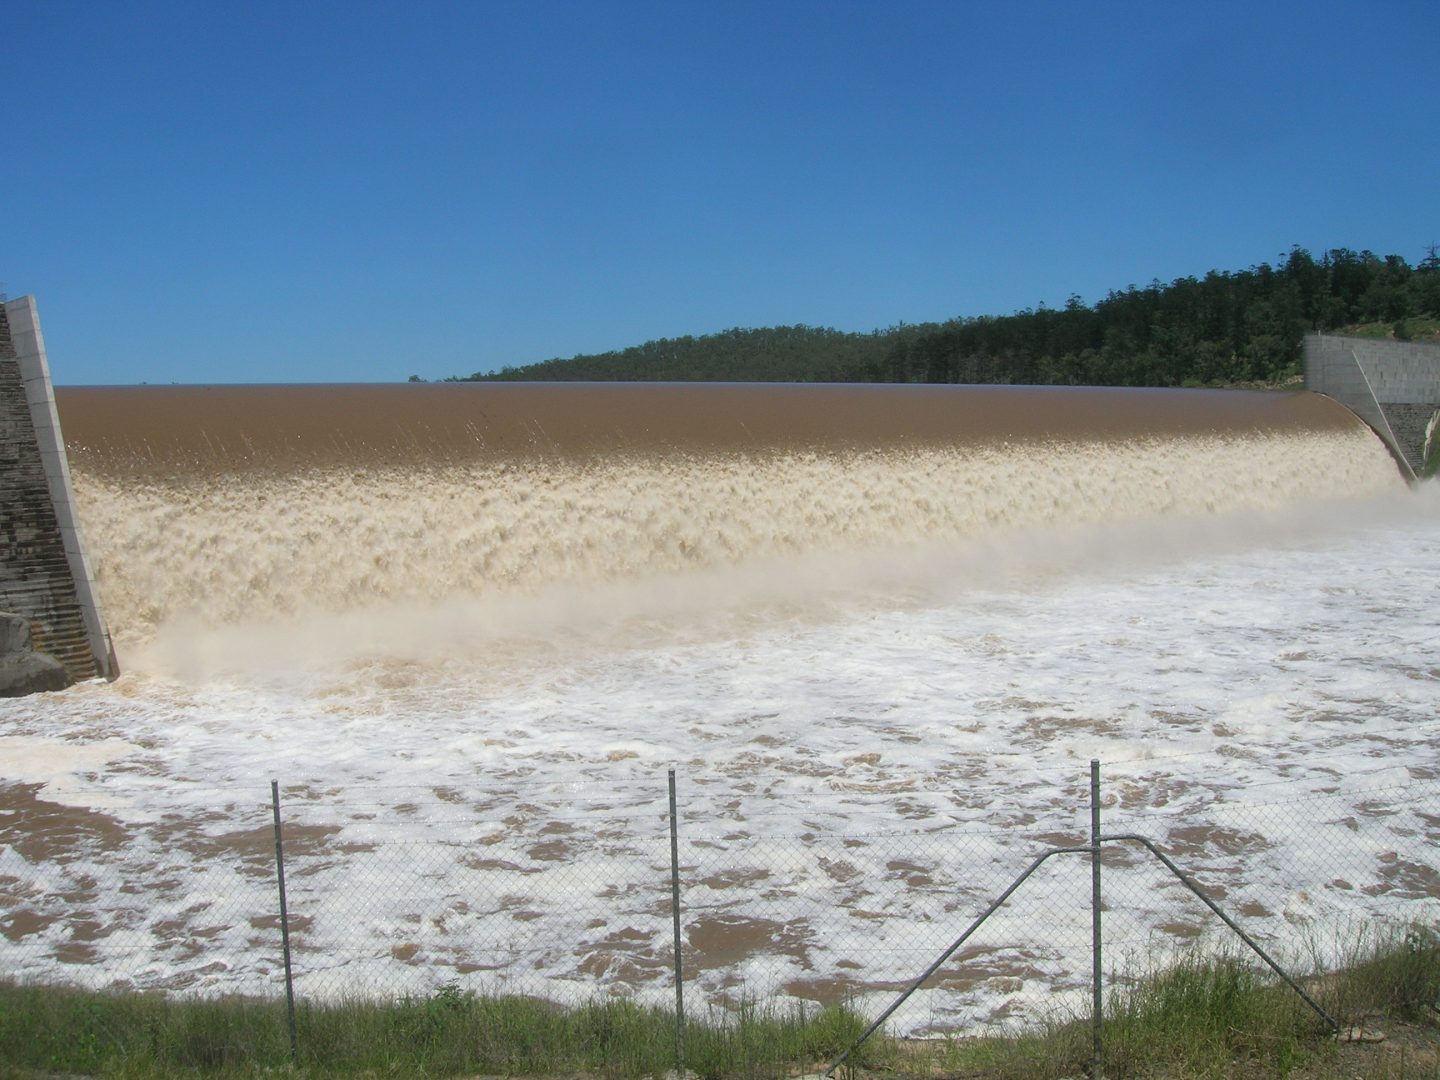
pixel 1209 1015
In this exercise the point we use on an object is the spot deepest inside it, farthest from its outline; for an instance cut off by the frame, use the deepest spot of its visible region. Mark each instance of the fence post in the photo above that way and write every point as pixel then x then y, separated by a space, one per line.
pixel 1097 1003
pixel 284 918
pixel 675 915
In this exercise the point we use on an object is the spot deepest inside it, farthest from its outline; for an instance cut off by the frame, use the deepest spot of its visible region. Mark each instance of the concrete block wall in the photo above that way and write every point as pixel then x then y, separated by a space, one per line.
pixel 1394 386
pixel 44 572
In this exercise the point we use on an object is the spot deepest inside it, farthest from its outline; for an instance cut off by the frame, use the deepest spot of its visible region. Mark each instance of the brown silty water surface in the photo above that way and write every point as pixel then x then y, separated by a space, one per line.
pixel 230 504
pixel 164 429
pixel 280 519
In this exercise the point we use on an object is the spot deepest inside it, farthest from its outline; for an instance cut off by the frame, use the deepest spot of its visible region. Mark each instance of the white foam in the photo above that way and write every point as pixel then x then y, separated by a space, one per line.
pixel 870 743
pixel 183 554
pixel 57 763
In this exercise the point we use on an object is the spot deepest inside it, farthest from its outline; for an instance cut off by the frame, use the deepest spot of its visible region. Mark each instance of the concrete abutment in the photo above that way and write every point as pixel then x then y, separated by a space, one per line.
pixel 45 575
pixel 1394 386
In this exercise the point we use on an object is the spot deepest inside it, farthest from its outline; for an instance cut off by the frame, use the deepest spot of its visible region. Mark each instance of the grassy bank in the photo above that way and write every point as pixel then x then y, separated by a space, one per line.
pixel 1421 329
pixel 1211 1017
pixel 449 1034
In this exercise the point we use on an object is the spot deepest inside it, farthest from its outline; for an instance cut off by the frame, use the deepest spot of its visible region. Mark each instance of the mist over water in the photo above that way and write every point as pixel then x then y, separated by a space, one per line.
pixel 914 611
pixel 204 515
pixel 421 561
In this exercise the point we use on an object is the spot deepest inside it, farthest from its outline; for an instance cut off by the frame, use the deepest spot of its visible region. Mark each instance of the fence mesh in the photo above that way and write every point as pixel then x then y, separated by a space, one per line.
pixel 182 902
pixel 568 896
pixel 560 899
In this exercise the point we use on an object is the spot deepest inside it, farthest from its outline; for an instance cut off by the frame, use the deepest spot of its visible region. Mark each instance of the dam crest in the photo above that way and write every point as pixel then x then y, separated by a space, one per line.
pixel 265 504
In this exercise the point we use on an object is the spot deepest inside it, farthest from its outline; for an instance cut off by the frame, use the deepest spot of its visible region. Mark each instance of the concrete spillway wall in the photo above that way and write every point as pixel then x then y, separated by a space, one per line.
pixel 44 573
pixel 1394 386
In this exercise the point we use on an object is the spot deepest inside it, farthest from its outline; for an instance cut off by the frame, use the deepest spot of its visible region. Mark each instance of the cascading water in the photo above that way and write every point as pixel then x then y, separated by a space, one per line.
pixel 478 623
pixel 223 505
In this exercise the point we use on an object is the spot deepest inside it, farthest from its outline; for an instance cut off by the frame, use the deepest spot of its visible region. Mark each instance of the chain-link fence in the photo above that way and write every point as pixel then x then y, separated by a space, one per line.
pixel 568 896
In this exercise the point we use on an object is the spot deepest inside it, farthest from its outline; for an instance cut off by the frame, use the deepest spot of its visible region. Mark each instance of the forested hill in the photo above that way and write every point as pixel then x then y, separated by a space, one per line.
pixel 771 354
pixel 1223 328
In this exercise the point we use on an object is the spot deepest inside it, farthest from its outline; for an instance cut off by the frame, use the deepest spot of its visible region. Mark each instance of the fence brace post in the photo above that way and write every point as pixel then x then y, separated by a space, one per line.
pixel 995 905
pixel 1097 1003
pixel 675 917
pixel 284 919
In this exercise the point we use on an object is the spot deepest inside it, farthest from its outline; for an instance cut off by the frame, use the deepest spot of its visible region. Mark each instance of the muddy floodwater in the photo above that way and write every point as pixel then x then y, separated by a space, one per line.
pixel 878 632
pixel 227 428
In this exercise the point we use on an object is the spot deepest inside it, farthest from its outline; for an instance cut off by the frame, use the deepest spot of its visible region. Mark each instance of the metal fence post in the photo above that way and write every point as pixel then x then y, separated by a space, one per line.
pixel 1097 1003
pixel 675 915
pixel 284 918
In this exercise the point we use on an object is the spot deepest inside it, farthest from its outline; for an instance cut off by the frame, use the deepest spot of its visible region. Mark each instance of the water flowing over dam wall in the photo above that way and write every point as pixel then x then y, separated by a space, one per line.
pixel 469 633
pixel 240 505
pixel 44 572
pixel 1394 386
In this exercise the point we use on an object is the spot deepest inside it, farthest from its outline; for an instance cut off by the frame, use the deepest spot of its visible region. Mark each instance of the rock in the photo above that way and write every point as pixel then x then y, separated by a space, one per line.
pixel 23 670
pixel 14 634
pixel 1360 1035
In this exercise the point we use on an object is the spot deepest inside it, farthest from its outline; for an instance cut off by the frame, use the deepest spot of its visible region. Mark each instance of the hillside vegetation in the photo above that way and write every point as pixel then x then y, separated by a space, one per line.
pixel 1224 328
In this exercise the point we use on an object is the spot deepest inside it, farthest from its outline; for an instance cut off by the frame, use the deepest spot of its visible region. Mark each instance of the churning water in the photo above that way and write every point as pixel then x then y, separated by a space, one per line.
pixel 879 632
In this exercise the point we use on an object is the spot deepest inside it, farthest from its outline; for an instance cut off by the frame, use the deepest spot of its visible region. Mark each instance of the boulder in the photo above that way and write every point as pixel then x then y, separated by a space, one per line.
pixel 23 670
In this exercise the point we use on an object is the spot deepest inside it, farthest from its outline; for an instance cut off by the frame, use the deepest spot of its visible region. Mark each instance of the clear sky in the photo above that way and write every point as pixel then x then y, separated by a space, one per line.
pixel 201 191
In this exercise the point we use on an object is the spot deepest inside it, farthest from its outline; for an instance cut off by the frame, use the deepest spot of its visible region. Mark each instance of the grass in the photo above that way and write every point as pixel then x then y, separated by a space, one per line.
pixel 1212 1015
pixel 1218 1015
pixel 1209 1015
pixel 452 1033
pixel 1397 974
pixel 1416 329
pixel 1431 466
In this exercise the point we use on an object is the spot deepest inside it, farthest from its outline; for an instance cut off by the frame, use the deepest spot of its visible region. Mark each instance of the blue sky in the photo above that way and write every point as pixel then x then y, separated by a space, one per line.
pixel 276 192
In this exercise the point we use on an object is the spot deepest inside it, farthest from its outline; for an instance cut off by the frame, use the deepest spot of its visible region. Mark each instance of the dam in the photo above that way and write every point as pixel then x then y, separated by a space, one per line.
pixel 255 503
pixel 45 578
pixel 1394 386
pixel 876 631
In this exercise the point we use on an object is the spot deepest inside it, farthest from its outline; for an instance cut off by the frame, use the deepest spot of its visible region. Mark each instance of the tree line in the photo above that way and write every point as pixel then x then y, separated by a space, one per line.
pixel 1224 328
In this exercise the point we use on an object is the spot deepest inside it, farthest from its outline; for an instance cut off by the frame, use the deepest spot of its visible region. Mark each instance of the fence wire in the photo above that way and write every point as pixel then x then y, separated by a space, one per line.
pixel 401 892
pixel 178 903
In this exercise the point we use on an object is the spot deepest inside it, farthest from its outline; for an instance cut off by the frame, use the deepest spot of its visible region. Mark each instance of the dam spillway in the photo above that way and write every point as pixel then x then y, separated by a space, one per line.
pixel 232 504
pixel 180 429
pixel 877 663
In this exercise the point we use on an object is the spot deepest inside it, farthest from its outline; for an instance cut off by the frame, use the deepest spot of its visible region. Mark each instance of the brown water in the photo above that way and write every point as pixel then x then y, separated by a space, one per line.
pixel 219 505
pixel 163 429
pixel 379 595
